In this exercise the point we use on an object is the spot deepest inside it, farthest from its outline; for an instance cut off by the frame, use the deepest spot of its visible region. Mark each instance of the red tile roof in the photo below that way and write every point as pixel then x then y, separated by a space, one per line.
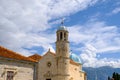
pixel 36 57
pixel 4 52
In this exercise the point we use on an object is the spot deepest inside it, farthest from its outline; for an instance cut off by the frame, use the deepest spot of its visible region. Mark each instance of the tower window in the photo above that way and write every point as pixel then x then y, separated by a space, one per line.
pixel 60 35
pixel 64 36
pixel 48 79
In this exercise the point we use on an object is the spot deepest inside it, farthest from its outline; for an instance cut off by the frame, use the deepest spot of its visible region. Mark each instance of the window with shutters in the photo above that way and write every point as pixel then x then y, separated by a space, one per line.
pixel 10 75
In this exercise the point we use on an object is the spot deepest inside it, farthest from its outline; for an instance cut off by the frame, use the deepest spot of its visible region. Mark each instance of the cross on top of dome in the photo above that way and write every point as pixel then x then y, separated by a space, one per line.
pixel 62 22
pixel 62 27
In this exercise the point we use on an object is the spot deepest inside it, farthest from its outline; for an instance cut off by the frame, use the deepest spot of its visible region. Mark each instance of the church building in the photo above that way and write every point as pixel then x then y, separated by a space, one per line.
pixel 60 65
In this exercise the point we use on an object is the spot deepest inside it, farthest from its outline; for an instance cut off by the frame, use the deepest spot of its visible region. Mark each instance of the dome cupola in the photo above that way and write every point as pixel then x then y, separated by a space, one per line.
pixel 62 28
pixel 75 58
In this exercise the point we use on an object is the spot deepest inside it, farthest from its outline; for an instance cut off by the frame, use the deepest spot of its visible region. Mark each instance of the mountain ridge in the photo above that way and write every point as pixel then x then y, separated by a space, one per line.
pixel 100 73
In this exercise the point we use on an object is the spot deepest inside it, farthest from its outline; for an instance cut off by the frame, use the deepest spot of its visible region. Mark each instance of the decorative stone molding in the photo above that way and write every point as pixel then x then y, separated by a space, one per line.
pixel 10 69
pixel 48 74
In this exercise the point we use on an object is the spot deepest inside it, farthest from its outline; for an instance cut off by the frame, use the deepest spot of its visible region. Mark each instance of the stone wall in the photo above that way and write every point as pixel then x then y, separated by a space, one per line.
pixel 22 70
pixel 44 70
pixel 76 72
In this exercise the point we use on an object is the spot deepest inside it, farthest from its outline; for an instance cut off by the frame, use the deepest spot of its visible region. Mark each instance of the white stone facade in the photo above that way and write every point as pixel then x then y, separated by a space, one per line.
pixel 22 70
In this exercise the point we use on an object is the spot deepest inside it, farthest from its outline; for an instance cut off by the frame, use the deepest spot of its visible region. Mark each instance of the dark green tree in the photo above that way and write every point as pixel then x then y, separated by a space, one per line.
pixel 116 76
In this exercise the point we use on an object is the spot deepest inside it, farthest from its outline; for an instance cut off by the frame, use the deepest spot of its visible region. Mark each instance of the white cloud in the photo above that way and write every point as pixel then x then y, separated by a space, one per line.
pixel 102 37
pixel 59 8
pixel 109 49
pixel 98 38
pixel 116 10
pixel 23 23
pixel 89 57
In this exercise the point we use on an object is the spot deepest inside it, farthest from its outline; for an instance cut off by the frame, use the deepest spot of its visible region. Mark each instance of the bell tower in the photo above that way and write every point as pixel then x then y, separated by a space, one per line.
pixel 62 53
pixel 62 43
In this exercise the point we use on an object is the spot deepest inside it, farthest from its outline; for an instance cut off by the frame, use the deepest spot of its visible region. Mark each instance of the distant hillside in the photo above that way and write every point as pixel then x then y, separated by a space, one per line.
pixel 100 73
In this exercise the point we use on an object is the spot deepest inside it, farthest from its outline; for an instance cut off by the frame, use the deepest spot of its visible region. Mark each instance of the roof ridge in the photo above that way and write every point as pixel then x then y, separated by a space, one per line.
pixel 11 51
pixel 15 53
pixel 50 53
pixel 36 57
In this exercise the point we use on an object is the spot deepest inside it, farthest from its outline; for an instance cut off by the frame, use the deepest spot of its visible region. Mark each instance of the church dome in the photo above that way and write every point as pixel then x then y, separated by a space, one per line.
pixel 62 28
pixel 75 58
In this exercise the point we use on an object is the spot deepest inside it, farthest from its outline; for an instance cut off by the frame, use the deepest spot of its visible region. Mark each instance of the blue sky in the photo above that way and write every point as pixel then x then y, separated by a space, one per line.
pixel 29 26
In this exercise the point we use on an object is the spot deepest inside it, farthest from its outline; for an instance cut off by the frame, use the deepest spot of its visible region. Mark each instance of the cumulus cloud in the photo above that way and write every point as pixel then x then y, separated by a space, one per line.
pixel 89 57
pixel 23 23
pixel 101 36
pixel 98 38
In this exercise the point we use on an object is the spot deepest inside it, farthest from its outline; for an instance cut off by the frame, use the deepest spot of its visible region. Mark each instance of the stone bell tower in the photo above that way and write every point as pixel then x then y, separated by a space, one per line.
pixel 62 53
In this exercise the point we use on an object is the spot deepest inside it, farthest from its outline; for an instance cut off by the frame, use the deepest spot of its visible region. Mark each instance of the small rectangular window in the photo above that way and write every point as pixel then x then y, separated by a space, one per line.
pixel 10 75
